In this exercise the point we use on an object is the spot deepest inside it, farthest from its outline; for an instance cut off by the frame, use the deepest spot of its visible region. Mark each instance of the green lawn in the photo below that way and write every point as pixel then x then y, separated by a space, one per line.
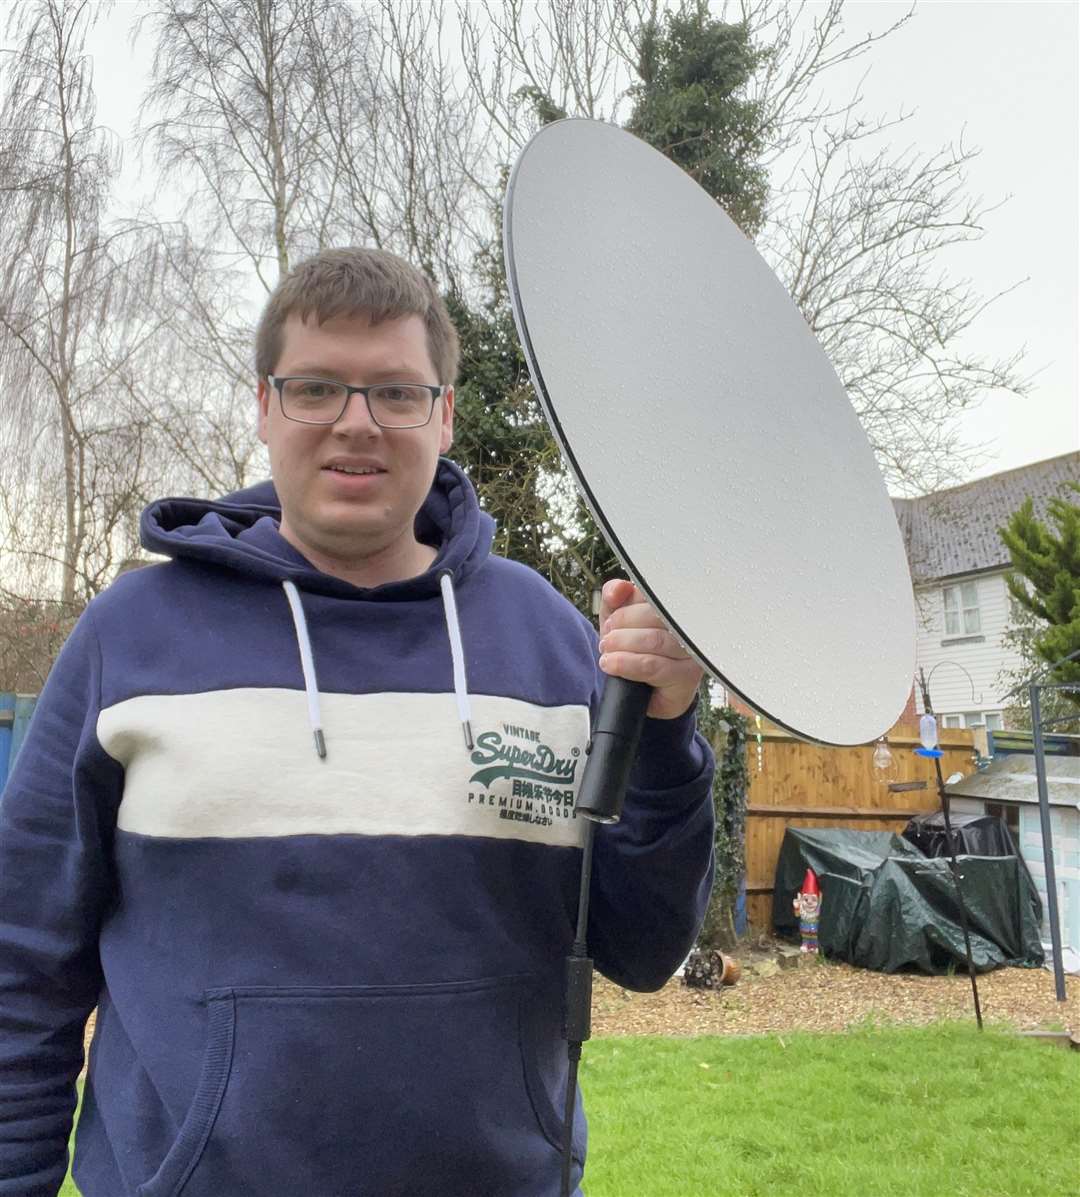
pixel 902 1112
pixel 897 1112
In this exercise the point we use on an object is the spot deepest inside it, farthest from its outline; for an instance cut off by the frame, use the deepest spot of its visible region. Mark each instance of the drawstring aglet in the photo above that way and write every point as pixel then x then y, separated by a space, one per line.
pixel 307 665
pixel 457 655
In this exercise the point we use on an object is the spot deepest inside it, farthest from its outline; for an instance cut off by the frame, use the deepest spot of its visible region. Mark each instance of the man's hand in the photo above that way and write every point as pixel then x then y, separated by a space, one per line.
pixel 635 644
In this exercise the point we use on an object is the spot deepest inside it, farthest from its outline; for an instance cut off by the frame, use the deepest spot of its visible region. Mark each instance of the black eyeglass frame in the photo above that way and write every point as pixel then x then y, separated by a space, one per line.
pixel 277 383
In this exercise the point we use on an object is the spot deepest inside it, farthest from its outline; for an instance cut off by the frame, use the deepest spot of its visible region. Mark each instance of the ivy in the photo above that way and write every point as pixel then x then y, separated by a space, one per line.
pixel 726 729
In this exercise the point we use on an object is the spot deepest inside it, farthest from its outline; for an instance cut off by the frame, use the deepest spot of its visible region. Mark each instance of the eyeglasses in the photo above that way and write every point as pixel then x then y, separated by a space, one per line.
pixel 390 404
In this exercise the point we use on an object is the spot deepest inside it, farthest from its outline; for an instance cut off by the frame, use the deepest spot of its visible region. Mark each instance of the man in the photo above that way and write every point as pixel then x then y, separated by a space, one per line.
pixel 296 812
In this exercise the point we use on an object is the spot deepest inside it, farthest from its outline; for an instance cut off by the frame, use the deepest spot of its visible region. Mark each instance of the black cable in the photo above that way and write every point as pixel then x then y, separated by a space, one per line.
pixel 582 934
pixel 578 1007
pixel 574 1056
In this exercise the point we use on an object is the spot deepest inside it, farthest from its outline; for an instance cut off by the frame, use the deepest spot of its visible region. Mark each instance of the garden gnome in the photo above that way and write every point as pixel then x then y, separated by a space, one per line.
pixel 808 907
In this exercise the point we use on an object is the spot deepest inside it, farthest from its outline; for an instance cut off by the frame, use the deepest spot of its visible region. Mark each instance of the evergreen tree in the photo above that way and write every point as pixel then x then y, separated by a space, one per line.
pixel 504 445
pixel 691 105
pixel 1045 583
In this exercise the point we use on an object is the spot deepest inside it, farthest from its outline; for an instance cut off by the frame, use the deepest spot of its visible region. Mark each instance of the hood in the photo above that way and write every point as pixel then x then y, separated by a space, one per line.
pixel 240 532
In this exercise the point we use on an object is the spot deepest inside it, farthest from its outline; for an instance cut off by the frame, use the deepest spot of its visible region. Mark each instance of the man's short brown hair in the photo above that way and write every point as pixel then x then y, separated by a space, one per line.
pixel 346 282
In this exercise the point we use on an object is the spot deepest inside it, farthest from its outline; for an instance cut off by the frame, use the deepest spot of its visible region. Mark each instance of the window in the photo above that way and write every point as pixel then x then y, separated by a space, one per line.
pixel 962 610
pixel 991 720
pixel 1010 812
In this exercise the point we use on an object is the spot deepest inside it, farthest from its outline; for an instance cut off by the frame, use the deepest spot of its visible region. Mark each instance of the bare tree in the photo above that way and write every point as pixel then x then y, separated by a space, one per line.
pixel 292 125
pixel 531 61
pixel 405 135
pixel 64 314
pixel 192 380
pixel 804 44
pixel 235 117
pixel 308 123
pixel 31 634
pixel 859 245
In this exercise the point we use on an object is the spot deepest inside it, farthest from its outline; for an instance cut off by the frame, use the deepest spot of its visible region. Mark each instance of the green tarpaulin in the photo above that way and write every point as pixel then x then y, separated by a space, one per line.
pixel 886 906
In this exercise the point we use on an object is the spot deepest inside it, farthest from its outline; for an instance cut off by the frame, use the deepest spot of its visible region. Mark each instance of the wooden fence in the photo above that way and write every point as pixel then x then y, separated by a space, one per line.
pixel 795 784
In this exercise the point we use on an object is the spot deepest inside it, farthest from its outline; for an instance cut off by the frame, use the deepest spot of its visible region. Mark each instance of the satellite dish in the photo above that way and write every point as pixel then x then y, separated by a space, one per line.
pixel 708 433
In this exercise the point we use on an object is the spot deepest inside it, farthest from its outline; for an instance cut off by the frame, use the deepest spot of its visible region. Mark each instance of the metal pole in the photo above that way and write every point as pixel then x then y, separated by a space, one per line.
pixel 1048 844
pixel 954 866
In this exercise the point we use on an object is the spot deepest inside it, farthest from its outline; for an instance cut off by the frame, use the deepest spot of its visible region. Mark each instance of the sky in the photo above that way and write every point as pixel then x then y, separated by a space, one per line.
pixel 1004 77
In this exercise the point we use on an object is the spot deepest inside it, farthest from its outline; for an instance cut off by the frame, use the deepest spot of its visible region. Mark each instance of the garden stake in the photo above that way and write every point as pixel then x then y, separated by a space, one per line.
pixel 952 857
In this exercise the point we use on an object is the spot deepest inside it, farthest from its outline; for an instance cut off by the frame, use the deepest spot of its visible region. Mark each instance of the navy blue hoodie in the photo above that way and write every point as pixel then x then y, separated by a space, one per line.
pixel 310 849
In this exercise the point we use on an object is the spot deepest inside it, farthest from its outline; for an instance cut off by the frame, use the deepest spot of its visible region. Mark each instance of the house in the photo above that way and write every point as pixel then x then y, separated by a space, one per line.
pixel 958 564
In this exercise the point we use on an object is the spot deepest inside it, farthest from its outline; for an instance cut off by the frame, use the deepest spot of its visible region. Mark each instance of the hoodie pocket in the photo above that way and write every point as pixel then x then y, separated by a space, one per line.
pixel 350 1091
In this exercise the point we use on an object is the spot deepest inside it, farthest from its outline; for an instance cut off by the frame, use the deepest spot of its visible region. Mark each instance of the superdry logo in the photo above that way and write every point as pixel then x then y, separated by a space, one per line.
pixel 537 762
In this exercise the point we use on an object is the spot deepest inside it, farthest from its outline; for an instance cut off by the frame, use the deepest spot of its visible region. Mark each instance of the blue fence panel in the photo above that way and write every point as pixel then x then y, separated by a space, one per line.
pixel 15 712
pixel 7 729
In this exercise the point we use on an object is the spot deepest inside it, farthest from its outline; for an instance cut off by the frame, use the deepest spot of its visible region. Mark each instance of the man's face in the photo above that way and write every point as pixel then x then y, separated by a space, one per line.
pixel 326 513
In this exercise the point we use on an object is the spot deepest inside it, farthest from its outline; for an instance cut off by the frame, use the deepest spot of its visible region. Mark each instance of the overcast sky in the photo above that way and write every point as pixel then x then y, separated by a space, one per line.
pixel 1003 76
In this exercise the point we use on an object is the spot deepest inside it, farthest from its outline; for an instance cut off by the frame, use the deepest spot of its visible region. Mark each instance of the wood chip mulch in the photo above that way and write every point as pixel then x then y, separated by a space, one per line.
pixel 820 995
pixel 817 995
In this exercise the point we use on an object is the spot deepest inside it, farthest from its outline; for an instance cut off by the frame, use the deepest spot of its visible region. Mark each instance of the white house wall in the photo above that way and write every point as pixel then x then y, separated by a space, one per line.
pixel 982 656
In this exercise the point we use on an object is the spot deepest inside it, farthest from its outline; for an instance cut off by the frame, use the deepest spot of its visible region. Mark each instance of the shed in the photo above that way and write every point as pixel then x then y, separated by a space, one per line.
pixel 1008 787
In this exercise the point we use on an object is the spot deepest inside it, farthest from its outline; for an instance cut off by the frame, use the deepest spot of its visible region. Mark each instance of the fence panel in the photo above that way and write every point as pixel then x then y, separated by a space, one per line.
pixel 15 712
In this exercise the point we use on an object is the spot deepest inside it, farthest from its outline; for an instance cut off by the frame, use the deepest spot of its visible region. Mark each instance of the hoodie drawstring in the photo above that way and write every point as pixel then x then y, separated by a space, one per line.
pixel 307 664
pixel 307 660
pixel 457 654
